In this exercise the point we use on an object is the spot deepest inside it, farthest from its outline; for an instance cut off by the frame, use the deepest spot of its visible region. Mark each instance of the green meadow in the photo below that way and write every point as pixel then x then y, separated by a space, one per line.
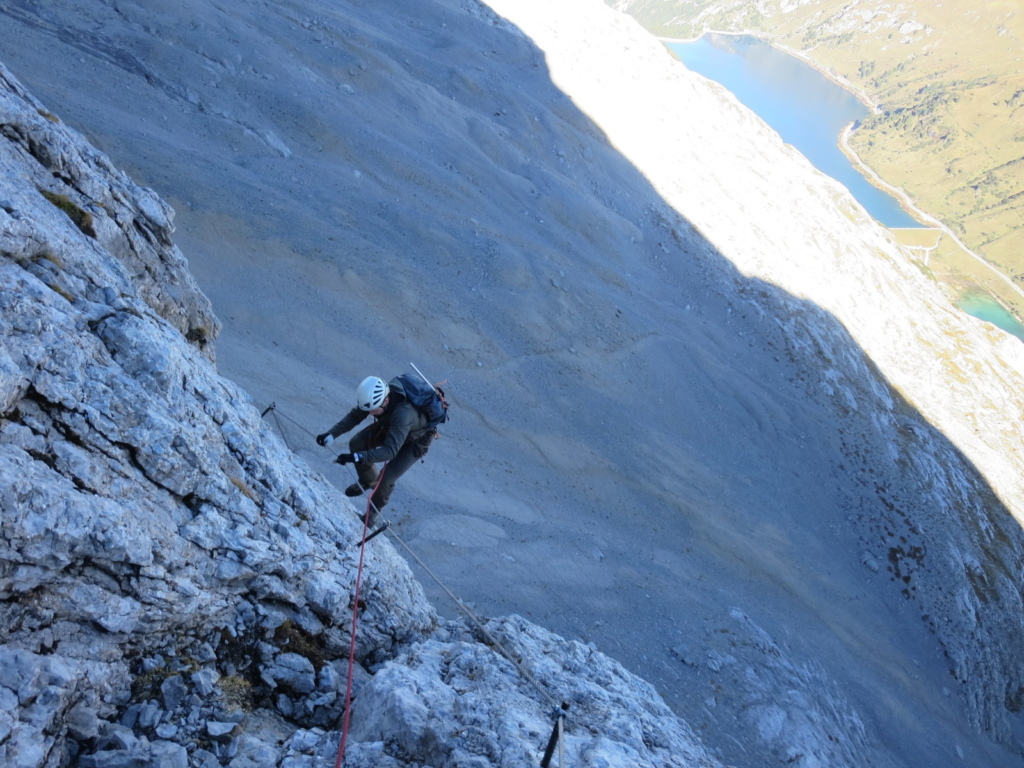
pixel 947 82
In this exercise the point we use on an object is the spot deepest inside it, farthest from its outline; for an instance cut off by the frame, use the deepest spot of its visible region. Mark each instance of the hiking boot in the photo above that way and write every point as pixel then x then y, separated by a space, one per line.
pixel 354 490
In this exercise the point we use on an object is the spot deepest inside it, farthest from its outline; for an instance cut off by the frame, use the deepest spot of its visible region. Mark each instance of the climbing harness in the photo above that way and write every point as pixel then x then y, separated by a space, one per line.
pixel 559 710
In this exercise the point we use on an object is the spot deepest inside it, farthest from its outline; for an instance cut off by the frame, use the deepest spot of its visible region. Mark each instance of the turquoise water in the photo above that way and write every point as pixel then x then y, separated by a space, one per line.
pixel 810 111
pixel 984 307
pixel 804 107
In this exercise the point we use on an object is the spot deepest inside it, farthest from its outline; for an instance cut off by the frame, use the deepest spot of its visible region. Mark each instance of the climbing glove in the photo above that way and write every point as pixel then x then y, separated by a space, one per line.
pixel 325 439
pixel 348 458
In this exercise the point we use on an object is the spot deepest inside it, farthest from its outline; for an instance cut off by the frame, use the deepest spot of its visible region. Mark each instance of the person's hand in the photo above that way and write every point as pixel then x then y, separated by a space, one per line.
pixel 347 458
pixel 325 439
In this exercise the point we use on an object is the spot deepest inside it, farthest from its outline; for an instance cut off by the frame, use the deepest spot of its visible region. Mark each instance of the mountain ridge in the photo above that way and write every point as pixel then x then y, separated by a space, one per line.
pixel 665 440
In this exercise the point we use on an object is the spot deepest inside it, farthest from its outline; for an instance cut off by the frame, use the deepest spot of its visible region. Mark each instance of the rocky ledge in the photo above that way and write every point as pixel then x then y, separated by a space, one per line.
pixel 177 586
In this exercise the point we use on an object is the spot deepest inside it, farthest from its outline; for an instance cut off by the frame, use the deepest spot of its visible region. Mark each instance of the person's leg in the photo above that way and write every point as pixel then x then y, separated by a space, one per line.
pixel 394 469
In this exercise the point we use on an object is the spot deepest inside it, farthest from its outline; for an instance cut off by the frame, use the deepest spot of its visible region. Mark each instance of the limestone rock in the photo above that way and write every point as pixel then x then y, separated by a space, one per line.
pixel 173 574
pixel 129 224
pixel 157 536
pixel 292 671
pixel 145 502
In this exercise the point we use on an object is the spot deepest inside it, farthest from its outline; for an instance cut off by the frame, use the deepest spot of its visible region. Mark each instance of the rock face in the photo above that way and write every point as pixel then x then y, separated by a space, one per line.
pixel 692 374
pixel 132 225
pixel 176 586
pixel 953 537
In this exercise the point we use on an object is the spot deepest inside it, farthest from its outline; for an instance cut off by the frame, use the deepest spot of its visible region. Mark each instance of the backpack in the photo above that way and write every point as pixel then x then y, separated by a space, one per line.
pixel 428 400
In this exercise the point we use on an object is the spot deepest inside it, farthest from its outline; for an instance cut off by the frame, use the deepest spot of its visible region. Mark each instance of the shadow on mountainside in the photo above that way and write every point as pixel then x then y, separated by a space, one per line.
pixel 642 438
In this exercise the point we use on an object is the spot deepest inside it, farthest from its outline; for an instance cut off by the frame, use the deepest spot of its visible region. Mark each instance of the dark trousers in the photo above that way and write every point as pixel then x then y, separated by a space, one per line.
pixel 371 437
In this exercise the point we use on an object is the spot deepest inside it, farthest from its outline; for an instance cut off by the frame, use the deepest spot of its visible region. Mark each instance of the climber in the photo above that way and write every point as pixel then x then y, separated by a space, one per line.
pixel 400 435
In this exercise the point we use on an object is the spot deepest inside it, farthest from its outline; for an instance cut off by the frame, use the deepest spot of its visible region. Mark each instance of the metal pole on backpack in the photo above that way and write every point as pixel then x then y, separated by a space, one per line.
pixel 425 379
pixel 441 417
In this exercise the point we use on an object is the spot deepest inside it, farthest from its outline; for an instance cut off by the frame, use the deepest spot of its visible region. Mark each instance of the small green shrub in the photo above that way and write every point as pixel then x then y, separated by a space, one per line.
pixel 146 685
pixel 199 336
pixel 81 218
pixel 61 291
pixel 291 637
pixel 241 485
pixel 925 269
pixel 236 693
pixel 50 256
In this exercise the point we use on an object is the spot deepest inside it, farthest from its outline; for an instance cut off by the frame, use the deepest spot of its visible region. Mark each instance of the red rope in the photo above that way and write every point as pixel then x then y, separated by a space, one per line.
pixel 355 617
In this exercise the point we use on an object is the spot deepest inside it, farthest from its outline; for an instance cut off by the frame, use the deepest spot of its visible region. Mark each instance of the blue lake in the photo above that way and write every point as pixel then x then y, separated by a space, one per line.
pixel 806 108
pixel 810 111
pixel 979 304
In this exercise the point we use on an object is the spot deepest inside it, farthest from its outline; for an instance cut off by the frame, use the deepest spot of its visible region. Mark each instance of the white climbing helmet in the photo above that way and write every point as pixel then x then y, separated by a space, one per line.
pixel 371 393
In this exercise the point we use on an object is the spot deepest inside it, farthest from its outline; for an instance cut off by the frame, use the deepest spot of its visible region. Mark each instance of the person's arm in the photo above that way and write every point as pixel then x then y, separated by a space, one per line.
pixel 352 419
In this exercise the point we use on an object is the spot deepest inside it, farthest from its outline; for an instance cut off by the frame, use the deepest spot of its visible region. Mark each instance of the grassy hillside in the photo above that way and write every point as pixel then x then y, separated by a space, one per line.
pixel 948 79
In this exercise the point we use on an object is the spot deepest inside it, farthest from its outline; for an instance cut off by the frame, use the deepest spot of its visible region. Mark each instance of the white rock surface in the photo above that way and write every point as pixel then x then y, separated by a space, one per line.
pixel 172 575
pixel 145 503
pixel 669 340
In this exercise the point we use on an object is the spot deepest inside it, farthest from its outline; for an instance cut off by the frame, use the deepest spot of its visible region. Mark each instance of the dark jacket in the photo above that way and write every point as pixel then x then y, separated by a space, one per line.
pixel 401 421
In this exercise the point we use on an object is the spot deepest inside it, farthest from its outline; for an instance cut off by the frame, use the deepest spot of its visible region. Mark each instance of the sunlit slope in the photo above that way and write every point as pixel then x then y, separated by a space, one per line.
pixel 948 79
